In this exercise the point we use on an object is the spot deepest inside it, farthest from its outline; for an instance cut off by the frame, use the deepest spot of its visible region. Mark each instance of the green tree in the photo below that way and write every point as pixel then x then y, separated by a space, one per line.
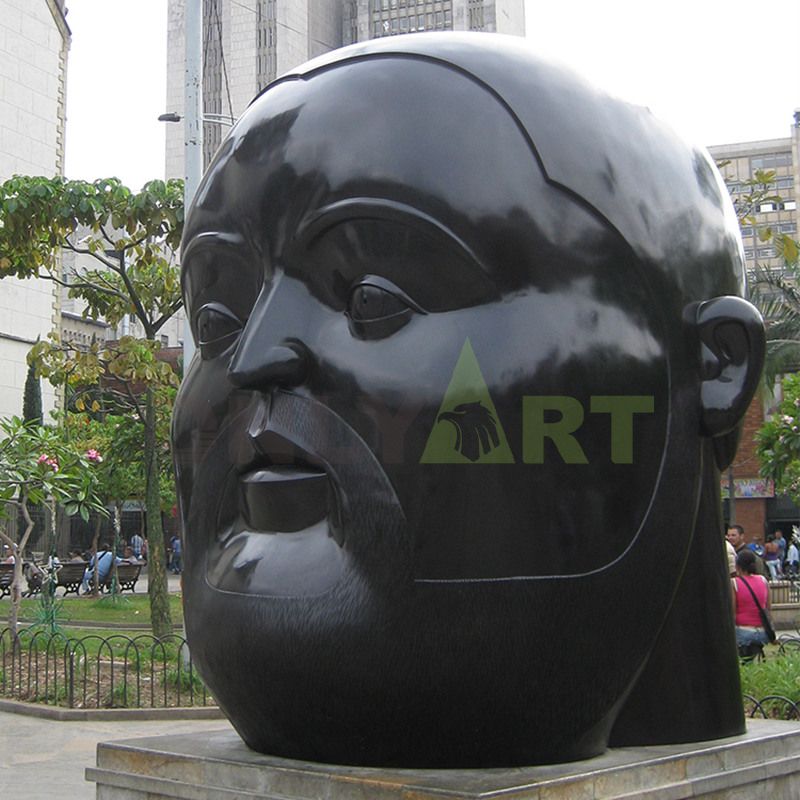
pixel 38 466
pixel 773 292
pixel 131 240
pixel 32 397
pixel 778 442
pixel 121 468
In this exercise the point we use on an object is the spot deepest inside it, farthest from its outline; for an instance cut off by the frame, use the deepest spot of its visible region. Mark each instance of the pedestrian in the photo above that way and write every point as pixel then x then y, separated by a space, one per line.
pixel 751 595
pixel 792 560
pixel 175 546
pixel 104 559
pixel 772 559
pixel 736 537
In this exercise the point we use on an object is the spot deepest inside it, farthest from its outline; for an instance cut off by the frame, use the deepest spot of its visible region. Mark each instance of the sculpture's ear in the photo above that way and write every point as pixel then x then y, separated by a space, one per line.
pixel 732 343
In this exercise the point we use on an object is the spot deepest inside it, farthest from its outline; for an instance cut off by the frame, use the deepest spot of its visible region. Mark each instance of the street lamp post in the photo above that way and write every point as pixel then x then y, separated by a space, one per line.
pixel 193 130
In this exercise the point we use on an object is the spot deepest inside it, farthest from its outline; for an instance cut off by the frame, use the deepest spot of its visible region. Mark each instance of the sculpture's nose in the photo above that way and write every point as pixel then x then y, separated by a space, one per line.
pixel 283 365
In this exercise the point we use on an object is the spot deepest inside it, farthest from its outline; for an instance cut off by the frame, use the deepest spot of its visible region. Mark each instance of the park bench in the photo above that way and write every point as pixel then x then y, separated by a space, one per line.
pixel 127 575
pixel 31 576
pixel 70 576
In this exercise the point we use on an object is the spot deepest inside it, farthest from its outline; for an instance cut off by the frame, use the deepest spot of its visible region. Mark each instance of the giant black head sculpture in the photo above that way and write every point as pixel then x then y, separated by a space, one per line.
pixel 470 357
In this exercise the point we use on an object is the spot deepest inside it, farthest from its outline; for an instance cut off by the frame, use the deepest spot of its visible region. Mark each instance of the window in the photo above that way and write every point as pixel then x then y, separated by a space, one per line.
pixel 164 340
pixel 771 160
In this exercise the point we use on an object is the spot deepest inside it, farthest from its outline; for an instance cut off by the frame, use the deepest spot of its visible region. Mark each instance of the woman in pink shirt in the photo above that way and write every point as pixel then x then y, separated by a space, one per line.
pixel 749 626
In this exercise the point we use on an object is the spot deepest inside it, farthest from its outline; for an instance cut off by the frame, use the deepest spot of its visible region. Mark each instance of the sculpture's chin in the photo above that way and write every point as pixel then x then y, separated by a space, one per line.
pixel 306 562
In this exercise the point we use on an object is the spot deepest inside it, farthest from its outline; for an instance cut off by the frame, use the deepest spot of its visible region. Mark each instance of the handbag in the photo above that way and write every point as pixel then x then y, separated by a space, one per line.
pixel 766 622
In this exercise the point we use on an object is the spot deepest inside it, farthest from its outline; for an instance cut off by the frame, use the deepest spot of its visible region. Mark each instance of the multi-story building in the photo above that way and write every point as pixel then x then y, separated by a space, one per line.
pixel 34 43
pixel 756 507
pixel 739 163
pixel 247 45
pixel 371 19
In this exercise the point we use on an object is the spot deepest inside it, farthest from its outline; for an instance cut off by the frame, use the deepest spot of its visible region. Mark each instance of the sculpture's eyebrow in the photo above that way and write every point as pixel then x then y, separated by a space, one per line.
pixel 321 220
pixel 210 240
pixel 213 239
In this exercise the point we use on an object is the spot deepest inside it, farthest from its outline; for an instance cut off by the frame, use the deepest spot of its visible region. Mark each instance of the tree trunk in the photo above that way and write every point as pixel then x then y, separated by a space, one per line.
pixel 16 581
pixel 50 573
pixel 160 618
pixel 98 522
pixel 117 538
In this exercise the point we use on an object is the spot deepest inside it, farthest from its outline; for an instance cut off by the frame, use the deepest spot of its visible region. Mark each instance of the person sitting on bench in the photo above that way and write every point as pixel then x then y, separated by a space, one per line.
pixel 104 560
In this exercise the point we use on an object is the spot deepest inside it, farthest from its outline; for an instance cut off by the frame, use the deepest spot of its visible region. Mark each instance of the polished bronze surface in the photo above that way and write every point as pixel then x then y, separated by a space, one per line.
pixel 470 357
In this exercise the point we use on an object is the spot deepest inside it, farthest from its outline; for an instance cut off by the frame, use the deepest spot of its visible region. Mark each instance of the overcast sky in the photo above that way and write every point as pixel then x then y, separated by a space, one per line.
pixel 719 71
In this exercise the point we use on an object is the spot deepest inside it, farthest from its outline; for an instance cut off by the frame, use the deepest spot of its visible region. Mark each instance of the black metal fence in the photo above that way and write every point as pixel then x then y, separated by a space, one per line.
pixel 93 671
pixel 773 706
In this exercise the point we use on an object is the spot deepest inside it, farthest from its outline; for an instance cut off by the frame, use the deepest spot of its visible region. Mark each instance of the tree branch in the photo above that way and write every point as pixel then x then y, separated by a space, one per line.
pixel 167 315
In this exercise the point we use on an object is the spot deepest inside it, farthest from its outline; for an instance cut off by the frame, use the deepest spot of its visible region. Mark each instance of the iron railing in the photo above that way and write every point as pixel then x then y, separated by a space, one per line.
pixel 93 671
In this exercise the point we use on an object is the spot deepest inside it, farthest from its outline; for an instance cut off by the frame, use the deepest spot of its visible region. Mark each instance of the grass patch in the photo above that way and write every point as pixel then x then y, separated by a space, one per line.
pixel 776 674
pixel 128 609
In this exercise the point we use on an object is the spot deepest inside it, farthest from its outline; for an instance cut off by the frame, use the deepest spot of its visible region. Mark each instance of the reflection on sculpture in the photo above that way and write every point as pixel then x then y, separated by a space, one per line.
pixel 470 359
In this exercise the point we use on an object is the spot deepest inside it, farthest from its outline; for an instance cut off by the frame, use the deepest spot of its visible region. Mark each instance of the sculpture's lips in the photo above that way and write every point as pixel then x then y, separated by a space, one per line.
pixel 284 499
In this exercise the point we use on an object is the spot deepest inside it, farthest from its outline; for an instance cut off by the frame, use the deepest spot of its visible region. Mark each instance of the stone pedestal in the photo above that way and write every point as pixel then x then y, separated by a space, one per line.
pixel 763 763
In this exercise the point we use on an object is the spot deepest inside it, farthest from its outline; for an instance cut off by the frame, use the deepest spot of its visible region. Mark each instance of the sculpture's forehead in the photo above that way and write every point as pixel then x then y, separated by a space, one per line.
pixel 371 137
pixel 408 129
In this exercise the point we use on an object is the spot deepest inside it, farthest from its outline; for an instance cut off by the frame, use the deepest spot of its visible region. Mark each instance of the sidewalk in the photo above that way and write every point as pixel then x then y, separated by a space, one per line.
pixel 173 582
pixel 41 759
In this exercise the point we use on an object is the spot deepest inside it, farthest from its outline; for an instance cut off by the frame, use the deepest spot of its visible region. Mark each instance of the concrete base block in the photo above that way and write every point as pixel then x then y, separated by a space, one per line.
pixel 763 763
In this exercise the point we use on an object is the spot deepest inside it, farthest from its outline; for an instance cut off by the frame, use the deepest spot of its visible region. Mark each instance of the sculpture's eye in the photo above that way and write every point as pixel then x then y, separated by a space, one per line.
pixel 368 303
pixel 217 328
pixel 377 308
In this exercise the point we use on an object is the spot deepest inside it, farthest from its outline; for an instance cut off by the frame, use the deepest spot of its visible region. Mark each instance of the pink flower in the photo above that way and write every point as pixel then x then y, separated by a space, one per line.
pixel 93 455
pixel 48 461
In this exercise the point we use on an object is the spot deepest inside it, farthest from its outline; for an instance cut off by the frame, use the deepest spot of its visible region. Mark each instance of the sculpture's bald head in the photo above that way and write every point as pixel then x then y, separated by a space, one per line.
pixel 447 370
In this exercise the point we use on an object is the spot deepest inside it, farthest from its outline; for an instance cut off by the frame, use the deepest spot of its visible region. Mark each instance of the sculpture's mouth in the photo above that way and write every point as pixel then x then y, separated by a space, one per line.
pixel 278 531
pixel 284 499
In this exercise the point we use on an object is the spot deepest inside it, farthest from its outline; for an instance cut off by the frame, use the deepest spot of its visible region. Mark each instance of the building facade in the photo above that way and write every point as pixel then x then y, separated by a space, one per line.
pixel 372 19
pixel 739 163
pixel 34 43
pixel 248 45
pixel 755 506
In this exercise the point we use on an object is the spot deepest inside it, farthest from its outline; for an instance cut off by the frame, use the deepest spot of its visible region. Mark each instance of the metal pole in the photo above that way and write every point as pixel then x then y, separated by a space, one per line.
pixel 193 128
pixel 193 156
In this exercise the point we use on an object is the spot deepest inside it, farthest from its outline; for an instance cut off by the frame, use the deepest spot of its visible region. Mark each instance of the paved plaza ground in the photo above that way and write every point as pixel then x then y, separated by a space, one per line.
pixel 41 759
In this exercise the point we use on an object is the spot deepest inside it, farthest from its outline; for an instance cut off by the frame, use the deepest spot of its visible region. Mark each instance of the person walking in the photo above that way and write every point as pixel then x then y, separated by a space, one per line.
pixel 772 558
pixel 137 543
pixel 792 560
pixel 176 548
